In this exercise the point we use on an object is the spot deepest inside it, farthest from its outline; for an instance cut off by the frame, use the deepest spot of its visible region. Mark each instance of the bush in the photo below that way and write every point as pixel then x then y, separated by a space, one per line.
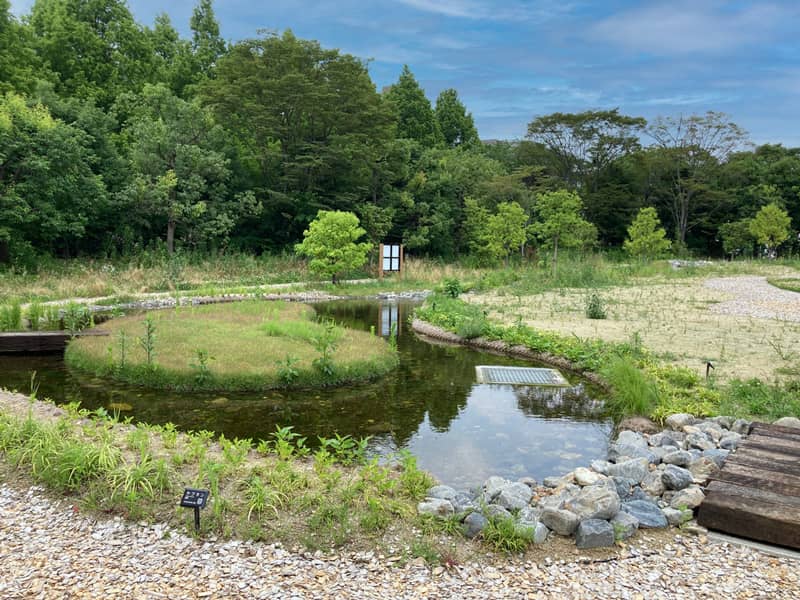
pixel 595 308
pixel 452 287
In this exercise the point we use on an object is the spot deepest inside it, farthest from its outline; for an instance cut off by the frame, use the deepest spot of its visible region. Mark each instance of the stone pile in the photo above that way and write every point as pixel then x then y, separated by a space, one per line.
pixel 649 481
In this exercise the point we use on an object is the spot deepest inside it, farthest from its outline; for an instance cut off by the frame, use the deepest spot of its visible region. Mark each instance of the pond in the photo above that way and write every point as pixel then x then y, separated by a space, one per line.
pixel 461 431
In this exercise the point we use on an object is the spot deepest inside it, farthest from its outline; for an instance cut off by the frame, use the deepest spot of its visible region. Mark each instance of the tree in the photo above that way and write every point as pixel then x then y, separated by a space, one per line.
pixel 181 173
pixel 415 117
pixel 18 62
pixel 770 227
pixel 559 222
pixel 646 237
pixel 455 123
pixel 207 44
pixel 583 145
pixel 736 238
pixel 506 231
pixel 689 152
pixel 331 241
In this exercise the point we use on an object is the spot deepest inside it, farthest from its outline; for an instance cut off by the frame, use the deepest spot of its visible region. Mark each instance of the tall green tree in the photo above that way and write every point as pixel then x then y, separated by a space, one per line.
pixel 415 117
pixel 770 227
pixel 19 66
pixel 331 241
pixel 737 238
pixel 646 236
pixel 455 123
pixel 506 231
pixel 207 44
pixel 559 223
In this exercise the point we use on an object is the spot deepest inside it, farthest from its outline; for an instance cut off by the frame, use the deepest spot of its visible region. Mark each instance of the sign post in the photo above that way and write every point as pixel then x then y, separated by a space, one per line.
pixel 195 499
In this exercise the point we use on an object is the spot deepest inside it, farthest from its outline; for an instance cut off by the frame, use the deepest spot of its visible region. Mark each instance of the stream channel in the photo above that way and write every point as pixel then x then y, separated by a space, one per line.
pixel 460 431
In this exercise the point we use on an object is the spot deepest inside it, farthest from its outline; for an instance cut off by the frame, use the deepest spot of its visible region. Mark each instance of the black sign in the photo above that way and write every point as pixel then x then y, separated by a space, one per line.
pixel 194 498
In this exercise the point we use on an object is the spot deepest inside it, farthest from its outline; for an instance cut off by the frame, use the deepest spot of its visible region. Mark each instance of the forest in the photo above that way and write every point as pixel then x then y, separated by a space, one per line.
pixel 118 137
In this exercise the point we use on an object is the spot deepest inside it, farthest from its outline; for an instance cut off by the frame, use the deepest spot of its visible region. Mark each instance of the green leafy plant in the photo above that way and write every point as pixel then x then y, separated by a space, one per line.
pixel 202 372
pixel 35 314
pixel 76 318
pixel 506 535
pixel 287 372
pixel 595 307
pixel 148 341
pixel 452 287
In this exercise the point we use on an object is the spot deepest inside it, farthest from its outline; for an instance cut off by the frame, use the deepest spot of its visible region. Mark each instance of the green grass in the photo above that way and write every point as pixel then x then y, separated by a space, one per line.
pixel 238 346
pixel 632 391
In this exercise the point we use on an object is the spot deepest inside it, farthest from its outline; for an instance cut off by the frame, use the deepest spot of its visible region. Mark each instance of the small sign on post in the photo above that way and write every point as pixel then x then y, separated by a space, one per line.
pixel 391 259
pixel 195 499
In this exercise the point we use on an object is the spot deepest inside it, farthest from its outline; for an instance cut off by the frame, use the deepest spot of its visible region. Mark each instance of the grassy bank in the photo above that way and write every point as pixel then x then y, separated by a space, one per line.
pixel 238 346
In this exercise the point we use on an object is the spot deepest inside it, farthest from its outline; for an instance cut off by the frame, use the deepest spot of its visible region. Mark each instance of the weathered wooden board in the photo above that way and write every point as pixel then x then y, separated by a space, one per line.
pixel 756 494
pixel 30 342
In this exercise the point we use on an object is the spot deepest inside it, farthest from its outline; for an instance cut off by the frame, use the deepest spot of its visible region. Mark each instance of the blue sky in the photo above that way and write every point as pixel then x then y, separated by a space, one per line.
pixel 513 60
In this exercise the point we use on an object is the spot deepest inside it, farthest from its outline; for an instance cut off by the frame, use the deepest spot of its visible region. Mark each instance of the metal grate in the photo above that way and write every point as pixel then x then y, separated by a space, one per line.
pixel 520 376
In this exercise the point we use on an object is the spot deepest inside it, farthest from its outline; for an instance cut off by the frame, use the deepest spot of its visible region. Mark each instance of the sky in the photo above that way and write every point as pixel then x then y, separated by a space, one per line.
pixel 513 60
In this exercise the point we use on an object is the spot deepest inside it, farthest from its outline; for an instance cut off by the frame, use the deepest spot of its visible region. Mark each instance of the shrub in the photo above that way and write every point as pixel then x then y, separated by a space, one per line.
pixel 595 308
pixel 453 287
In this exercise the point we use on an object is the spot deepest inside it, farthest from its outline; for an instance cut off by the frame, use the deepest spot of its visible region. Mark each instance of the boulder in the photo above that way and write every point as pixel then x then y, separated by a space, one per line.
pixel 666 438
pixel 631 438
pixel 717 455
pixel 679 420
pixel 702 468
pixel 723 421
pixel 690 498
pixel 793 422
pixel 493 511
pixel 584 477
pixel 622 452
pixel 594 533
pixel 442 492
pixel 563 522
pixel 541 533
pixel 436 507
pixel 635 469
pixel 514 496
pixel 741 426
pixel 681 458
pixel 677 517
pixel 625 525
pixel 730 441
pixel 653 485
pixel 700 441
pixel 600 466
pixel 529 481
pixel 623 486
pixel 676 478
pixel 493 486
pixel 463 502
pixel 594 502
pixel 474 524
pixel 648 514
pixel 638 424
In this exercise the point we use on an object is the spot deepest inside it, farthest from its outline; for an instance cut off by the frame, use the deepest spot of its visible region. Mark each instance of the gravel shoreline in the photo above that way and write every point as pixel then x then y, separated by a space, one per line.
pixel 49 550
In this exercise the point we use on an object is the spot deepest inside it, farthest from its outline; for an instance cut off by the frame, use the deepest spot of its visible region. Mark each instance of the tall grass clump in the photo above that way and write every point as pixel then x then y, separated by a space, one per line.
pixel 11 317
pixel 633 392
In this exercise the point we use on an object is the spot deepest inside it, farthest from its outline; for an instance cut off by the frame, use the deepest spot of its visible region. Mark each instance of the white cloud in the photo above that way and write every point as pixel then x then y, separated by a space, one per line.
pixel 494 11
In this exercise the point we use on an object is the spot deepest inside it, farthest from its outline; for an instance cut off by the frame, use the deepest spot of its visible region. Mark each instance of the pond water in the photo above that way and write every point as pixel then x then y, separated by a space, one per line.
pixel 461 431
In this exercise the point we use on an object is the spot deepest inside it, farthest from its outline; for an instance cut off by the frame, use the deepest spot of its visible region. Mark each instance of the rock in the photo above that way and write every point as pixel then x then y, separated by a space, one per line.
pixel 648 514
pixel 699 441
pixel 793 422
pixel 442 492
pixel 594 533
pixel 529 481
pixel 493 511
pixel 635 469
pixel 694 528
pixel 723 421
pixel 625 525
pixel 677 517
pixel 730 441
pixel 540 534
pixel 712 430
pixel 555 500
pixel 681 458
pixel 529 514
pixel 601 466
pixel 552 482
pixel 653 484
pixel 622 452
pixel 474 524
pixel 702 468
pixel 667 438
pixel 436 507
pixel 514 496
pixel 717 455
pixel 594 502
pixel 676 478
pixel 623 486
pixel 631 438
pixel 584 477
pixel 691 498
pixel 741 426
pixel 679 420
pixel 638 424
pixel 463 502
pixel 563 522
pixel 660 452
pixel 493 486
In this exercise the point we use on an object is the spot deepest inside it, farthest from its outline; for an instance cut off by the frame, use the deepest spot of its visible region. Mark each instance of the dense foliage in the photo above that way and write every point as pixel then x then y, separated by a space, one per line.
pixel 118 137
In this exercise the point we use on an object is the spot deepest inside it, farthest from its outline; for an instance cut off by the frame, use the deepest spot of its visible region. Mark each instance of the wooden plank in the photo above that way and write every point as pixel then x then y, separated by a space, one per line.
pixel 757 441
pixel 767 482
pixel 752 497
pixel 765 462
pixel 776 430
pixel 764 522
pixel 20 342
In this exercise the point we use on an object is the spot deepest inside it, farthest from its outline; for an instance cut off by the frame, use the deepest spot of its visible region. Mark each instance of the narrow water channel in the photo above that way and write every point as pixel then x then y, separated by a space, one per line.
pixel 461 431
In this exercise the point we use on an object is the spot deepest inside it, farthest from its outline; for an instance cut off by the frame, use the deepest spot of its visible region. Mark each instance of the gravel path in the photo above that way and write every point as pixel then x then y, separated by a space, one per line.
pixel 754 297
pixel 48 550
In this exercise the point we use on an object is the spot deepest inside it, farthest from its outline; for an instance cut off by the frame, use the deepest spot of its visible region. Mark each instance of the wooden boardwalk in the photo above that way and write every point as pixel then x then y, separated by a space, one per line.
pixel 31 342
pixel 756 494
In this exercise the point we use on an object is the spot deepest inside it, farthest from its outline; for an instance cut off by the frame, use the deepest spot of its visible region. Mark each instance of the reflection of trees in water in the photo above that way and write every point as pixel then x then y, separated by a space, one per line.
pixel 549 402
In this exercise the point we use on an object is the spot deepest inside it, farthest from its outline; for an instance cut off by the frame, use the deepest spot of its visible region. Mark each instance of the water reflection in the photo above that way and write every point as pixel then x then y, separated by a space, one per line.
pixel 460 431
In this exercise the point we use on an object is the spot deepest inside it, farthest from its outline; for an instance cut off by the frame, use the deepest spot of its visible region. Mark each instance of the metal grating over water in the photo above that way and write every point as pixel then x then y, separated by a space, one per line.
pixel 520 376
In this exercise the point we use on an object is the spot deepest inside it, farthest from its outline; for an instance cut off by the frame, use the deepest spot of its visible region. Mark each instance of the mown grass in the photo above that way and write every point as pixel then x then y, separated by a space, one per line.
pixel 236 346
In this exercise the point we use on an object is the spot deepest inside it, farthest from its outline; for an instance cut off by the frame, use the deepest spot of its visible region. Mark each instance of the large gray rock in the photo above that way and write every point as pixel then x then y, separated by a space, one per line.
pixel 474 524
pixel 494 511
pixel 442 492
pixel 621 452
pixel 463 502
pixel 584 476
pixel 702 468
pixel 635 469
pixel 676 478
pixel 793 422
pixel 677 517
pixel 741 426
pixel 541 533
pixel 631 438
pixel 563 522
pixel 436 507
pixel 730 441
pixel 682 458
pixel 723 421
pixel 666 439
pixel 717 455
pixel 653 485
pixel 601 466
pixel 700 441
pixel 712 430
pixel 623 487
pixel 648 514
pixel 594 533
pixel 679 421
pixel 594 502
pixel 493 486
pixel 625 525
pixel 514 496
pixel 690 498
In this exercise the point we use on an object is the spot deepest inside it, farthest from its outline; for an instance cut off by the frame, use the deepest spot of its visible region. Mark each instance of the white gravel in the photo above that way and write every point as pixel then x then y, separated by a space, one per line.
pixel 754 297
pixel 49 550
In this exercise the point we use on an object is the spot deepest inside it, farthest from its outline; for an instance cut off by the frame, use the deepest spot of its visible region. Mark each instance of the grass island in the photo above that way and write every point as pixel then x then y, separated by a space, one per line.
pixel 250 345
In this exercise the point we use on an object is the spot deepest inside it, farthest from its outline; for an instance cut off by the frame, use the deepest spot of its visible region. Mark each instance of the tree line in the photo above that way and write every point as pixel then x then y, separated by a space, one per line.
pixel 116 137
